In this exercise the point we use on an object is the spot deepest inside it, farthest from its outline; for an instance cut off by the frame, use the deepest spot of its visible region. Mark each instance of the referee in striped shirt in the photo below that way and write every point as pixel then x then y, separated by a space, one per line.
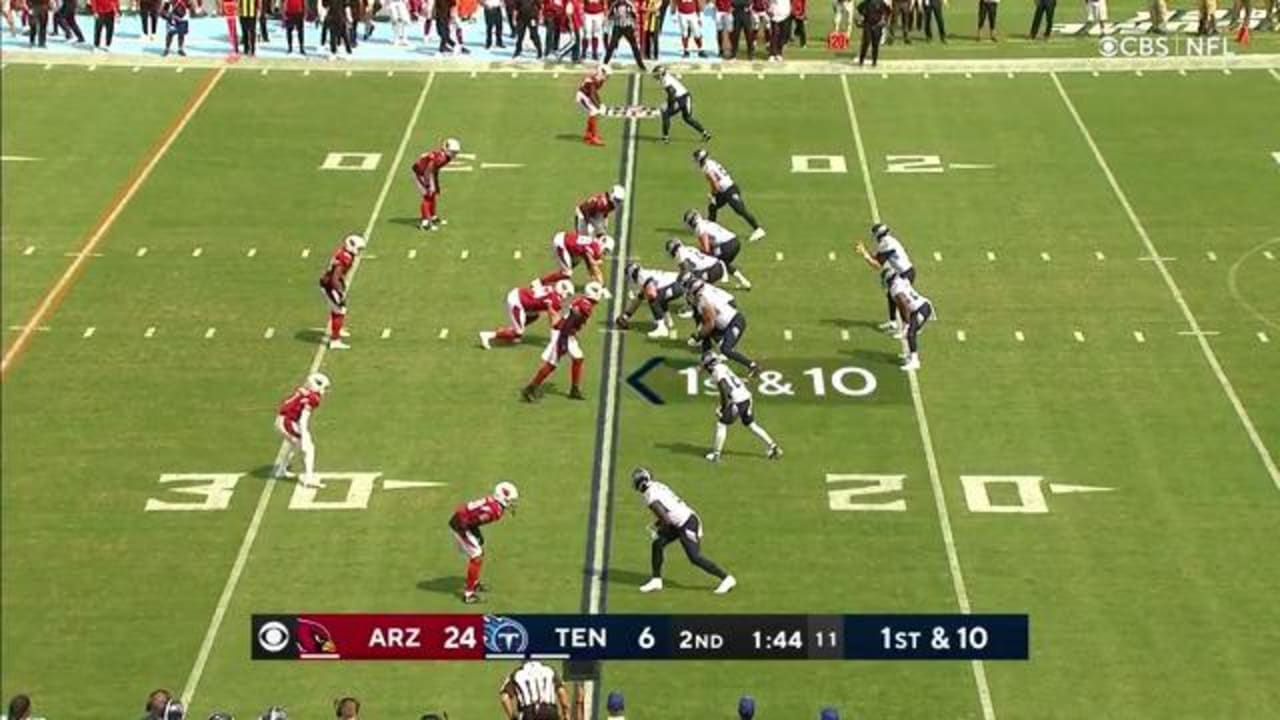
pixel 248 11
pixel 534 691
pixel 623 15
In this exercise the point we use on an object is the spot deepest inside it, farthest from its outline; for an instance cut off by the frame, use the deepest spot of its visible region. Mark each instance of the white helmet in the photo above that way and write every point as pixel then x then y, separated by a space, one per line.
pixel 618 193
pixel 607 244
pixel 318 382
pixel 354 243
pixel 506 493
pixel 564 288
pixel 594 291
pixel 452 146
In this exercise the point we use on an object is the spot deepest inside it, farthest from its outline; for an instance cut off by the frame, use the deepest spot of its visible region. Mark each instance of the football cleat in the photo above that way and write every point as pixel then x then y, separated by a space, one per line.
pixel 912 364
pixel 727 584
pixel 470 598
pixel 487 337
pixel 529 393
pixel 594 291
pixel 640 478
pixel 354 243
pixel 452 146
pixel 618 193
pixel 274 712
pixel 318 382
pixel 692 218
pixel 753 370
pixel 661 332
pixel 699 156
pixel 335 344
pixel 575 393
pixel 775 451
pixel 888 325
pixel 506 493
pixel 310 481
pixel 757 235
pixel 654 585
pixel 712 456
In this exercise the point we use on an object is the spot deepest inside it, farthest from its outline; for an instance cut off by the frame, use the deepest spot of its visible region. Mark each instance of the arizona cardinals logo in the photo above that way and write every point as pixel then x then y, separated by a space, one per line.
pixel 314 640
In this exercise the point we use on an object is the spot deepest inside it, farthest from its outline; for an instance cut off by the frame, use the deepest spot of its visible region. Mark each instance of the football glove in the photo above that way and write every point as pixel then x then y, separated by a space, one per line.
pixel 622 322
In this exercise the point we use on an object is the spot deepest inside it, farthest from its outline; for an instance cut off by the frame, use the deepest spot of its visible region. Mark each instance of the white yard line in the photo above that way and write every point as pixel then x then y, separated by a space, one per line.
pixel 926 438
pixel 1210 356
pixel 1274 73
pixel 612 369
pixel 251 533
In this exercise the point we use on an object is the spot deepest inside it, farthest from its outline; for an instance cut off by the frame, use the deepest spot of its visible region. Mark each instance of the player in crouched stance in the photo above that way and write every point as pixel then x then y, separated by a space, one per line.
pixel 916 309
pixel 675 521
pixel 426 175
pixel 564 341
pixel 534 691
pixel 334 286
pixel 720 321
pixel 736 403
pixel 659 288
pixel 588 99
pixel 465 524
pixel 524 305
pixel 293 421
pixel 592 215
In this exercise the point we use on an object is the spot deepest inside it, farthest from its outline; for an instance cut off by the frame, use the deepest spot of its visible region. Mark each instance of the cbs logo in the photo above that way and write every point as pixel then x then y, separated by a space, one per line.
pixel 274 636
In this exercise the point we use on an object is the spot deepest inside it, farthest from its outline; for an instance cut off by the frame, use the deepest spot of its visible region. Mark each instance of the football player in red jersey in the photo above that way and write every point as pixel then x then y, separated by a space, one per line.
pixel 593 24
pixel 465 525
pixel 564 341
pixel 293 421
pixel 588 98
pixel 334 286
pixel 570 248
pixel 426 175
pixel 689 12
pixel 592 215
pixel 524 305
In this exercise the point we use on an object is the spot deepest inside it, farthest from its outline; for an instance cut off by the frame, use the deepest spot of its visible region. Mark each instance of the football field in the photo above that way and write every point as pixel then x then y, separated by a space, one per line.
pixel 1092 440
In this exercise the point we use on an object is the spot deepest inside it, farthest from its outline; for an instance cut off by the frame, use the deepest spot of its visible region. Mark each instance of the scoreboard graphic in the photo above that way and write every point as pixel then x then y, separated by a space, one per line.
pixel 322 636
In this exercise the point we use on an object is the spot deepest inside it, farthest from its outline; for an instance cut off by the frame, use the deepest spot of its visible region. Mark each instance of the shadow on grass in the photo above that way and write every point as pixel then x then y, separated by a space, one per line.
pixel 445 585
pixel 617 576
pixel 310 336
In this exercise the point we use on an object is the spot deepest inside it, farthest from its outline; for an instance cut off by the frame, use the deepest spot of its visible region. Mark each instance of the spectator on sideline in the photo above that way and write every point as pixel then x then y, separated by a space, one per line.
pixel 552 19
pixel 176 19
pixel 616 706
pixel 1095 11
pixel 741 26
pixel 724 25
pixel 842 16
pixel 1208 23
pixel 493 24
pixel 623 15
pixel 348 708
pixel 335 26
pixel 104 22
pixel 873 16
pixel 799 13
pixel 265 11
pixel 746 708
pixel 1044 11
pixel 779 13
pixel 1159 13
pixel 149 17
pixel 932 10
pixel 19 707
pixel 7 10
pixel 987 16
pixel 65 18
pixel 649 22
pixel 38 23
pixel 295 22
pixel 527 25
pixel 443 15
pixel 900 15
pixel 398 14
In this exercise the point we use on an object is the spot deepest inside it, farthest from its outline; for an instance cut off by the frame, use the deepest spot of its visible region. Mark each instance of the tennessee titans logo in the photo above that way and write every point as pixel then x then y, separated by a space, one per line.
pixel 504 636
pixel 314 640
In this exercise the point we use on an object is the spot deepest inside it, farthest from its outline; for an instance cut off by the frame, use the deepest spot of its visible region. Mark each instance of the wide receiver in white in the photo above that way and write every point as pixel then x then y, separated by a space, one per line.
pixel 293 421
pixel 675 521
pixel 736 403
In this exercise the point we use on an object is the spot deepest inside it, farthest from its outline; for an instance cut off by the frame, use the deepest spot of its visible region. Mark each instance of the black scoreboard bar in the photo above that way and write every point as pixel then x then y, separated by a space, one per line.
pixel 640 637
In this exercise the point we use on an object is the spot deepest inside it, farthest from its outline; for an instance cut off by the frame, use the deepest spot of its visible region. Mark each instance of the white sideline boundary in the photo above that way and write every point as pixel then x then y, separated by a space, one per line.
pixel 1252 61
pixel 264 498
pixel 926 438
pixel 1210 356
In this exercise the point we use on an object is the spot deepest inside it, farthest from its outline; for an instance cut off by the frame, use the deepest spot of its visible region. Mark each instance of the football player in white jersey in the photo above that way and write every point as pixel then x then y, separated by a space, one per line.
pixel 720 321
pixel 724 191
pixel 696 263
pixel 890 254
pixel 657 287
pixel 675 521
pixel 678 101
pixel 717 240
pixel 736 403
pixel 917 310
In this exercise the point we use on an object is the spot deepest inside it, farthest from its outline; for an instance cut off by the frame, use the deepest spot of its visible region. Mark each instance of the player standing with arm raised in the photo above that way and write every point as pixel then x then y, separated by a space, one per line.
pixel 534 691
pixel 465 524
pixel 678 97
pixel 426 176
pixel 724 191
pixel 293 421
pixel 334 286
pixel 675 520
pixel 891 254
pixel 564 341
pixel 588 98
pixel 736 403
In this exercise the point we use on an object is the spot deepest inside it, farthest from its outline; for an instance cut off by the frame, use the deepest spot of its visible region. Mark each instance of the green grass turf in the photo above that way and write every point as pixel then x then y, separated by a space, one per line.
pixel 1149 601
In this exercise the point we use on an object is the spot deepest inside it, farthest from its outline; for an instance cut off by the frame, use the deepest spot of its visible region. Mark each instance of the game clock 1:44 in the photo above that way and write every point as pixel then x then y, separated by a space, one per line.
pixel 780 640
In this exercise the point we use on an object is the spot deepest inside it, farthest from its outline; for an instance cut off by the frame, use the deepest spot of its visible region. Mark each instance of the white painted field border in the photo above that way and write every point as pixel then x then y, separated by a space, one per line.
pixel 251 533
pixel 51 298
pixel 1210 356
pixel 926 438
pixel 612 370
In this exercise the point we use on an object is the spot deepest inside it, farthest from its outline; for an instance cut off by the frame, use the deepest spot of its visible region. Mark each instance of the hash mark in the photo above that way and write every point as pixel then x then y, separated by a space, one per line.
pixel 1138 73
pixel 778 256
pixel 937 256
pixel 1045 257
pixel 348 73
pixel 306 73
pixel 179 69
pixel 265 71
pixel 92 68
pixel 30 249
pixel 991 257
pixel 1009 75
pixel 465 254
pixel 413 253
pixel 141 251
pixel 1137 335
pixel 444 333
pixel 150 332
pixel 269 333
pixel 1213 256
pixel 516 255
pixel 88 332
pixel 1268 255
pixel 844 335
pixel 1095 73
pixel 197 252
pixel 1262 337
pixel 208 334
pixel 1079 336
pixel 137 68
pixel 251 252
pixel 831 256
pixel 786 335
pixel 306 252
pixel 1017 335
pixel 1098 254
pixel 386 333
pixel 961 336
